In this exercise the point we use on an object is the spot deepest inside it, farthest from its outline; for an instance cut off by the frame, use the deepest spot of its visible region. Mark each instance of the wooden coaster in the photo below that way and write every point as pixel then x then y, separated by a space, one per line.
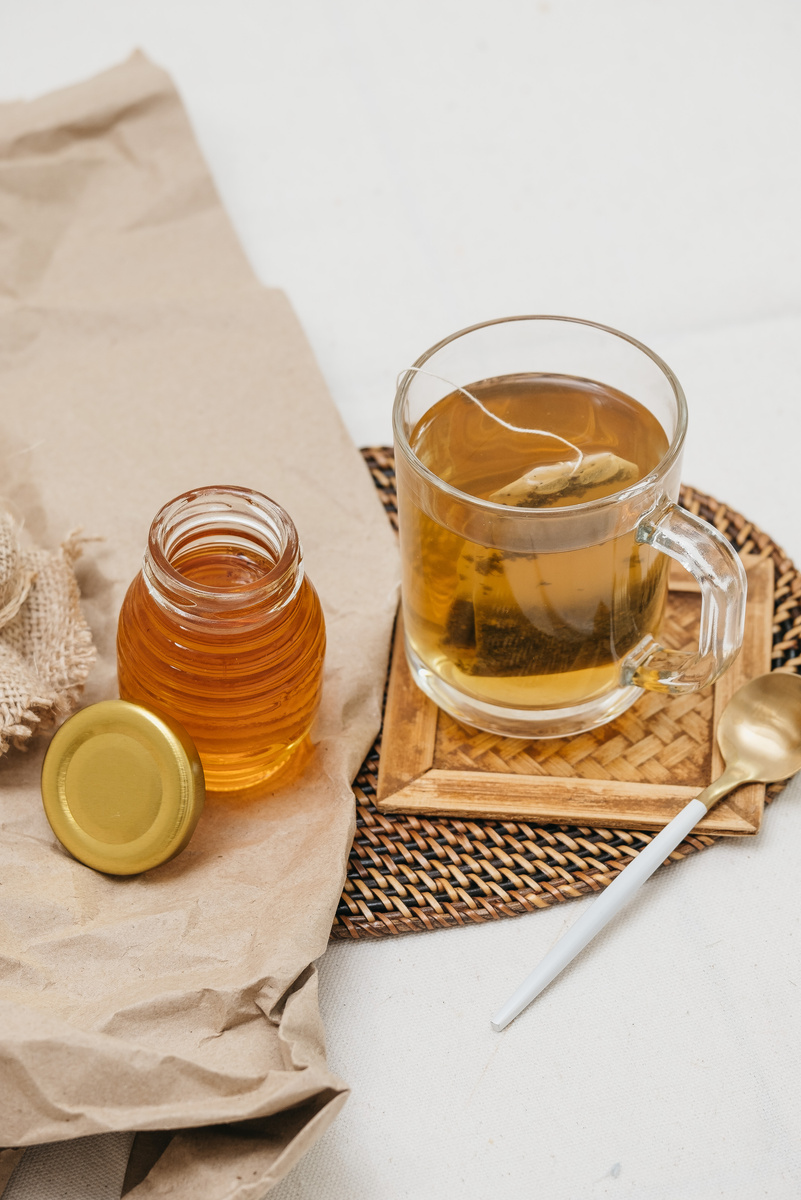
pixel 635 773
pixel 408 873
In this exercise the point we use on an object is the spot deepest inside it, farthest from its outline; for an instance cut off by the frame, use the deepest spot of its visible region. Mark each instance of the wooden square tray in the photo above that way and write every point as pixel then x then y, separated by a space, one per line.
pixel 635 773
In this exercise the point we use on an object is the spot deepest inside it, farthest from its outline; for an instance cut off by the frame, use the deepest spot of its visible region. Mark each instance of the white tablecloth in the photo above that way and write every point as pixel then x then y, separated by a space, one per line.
pixel 403 170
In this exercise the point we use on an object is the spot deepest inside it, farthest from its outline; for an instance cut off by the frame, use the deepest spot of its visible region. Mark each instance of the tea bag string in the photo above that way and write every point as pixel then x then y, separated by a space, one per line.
pixel 497 419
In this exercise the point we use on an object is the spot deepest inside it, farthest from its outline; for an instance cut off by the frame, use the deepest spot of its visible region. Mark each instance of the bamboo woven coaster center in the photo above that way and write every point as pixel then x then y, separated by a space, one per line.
pixel 410 871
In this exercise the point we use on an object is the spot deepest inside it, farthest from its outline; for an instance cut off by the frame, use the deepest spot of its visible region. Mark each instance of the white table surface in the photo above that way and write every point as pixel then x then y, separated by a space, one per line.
pixel 402 170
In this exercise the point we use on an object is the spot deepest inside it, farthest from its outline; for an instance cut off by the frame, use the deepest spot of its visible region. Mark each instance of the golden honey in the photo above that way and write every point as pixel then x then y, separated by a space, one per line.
pixel 222 630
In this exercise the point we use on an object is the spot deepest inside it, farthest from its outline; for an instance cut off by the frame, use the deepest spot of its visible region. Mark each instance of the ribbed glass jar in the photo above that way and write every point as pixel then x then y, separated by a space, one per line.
pixel 223 631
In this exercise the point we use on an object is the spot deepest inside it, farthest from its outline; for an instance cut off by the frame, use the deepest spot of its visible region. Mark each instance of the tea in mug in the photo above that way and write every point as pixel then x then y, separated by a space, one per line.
pixel 522 629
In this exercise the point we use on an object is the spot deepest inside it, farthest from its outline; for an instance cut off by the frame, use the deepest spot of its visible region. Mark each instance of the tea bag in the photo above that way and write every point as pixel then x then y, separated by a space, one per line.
pixel 502 620
pixel 544 485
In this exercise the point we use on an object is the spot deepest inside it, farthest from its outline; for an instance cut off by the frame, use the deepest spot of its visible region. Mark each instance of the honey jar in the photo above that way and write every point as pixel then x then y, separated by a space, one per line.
pixel 222 631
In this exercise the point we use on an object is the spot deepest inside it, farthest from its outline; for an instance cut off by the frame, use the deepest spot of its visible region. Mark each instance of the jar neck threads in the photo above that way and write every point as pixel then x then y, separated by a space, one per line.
pixel 223 551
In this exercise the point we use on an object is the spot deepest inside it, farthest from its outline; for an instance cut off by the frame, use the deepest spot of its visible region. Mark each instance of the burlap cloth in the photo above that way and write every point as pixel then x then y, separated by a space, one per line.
pixel 139 357
pixel 46 648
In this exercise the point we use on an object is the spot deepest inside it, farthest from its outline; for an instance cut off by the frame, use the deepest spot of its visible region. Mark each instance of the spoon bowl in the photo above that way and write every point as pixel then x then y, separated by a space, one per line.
pixel 760 729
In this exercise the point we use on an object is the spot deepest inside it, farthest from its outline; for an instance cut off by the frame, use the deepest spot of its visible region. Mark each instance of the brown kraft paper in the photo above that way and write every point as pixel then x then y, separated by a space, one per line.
pixel 139 357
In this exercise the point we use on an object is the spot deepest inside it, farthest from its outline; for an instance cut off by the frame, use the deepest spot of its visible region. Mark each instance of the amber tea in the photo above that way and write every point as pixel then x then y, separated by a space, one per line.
pixel 526 630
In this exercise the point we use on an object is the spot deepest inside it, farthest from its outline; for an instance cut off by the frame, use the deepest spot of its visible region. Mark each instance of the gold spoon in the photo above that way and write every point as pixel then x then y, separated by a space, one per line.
pixel 759 734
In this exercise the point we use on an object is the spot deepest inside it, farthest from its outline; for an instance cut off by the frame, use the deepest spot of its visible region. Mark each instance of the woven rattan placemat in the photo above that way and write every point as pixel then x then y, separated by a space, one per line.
pixel 407 873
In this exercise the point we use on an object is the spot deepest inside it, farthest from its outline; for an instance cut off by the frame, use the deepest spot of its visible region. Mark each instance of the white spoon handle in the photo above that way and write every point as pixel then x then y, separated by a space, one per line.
pixel 610 901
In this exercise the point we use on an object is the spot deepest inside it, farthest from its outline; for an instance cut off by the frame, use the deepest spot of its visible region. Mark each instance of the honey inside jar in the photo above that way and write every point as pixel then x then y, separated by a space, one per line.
pixel 223 631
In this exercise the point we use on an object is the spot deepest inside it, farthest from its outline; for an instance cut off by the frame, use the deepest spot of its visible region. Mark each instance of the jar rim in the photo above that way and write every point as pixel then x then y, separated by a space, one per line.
pixel 215 500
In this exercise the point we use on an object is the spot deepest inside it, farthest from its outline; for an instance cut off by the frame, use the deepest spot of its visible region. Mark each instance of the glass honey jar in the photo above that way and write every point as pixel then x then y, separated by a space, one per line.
pixel 222 630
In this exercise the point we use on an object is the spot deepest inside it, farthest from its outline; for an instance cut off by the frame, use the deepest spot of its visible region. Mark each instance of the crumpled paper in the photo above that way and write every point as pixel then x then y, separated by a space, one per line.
pixel 146 360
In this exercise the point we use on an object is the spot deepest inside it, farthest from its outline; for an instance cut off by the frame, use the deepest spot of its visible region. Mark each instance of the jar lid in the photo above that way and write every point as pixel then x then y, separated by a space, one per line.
pixel 122 787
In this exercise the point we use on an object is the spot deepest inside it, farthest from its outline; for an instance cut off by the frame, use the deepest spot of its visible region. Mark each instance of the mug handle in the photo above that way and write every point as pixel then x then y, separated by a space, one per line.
pixel 710 559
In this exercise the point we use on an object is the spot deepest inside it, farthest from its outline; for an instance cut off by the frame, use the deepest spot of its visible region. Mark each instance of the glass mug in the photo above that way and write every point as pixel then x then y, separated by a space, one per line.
pixel 538 467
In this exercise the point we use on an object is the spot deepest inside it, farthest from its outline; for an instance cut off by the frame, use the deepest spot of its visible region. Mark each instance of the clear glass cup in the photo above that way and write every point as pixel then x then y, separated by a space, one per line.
pixel 600 565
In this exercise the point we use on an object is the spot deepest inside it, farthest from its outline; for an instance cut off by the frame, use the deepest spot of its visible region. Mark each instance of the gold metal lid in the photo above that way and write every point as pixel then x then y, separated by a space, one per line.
pixel 122 787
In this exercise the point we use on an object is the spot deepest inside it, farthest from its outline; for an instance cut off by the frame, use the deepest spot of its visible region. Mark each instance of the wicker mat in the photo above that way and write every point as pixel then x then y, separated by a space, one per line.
pixel 407 874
